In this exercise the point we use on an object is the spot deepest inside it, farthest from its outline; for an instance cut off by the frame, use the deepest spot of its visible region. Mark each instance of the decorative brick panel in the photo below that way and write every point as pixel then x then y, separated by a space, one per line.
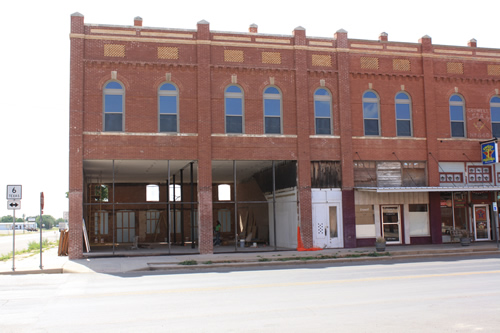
pixel 168 52
pixel 401 65
pixel 455 68
pixel 494 70
pixel 271 58
pixel 321 60
pixel 113 50
pixel 233 56
pixel 369 63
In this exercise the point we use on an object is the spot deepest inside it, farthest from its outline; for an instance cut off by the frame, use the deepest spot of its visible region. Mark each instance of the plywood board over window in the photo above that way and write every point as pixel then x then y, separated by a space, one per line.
pixel 414 174
pixel 389 174
pixel 325 174
pixel 365 174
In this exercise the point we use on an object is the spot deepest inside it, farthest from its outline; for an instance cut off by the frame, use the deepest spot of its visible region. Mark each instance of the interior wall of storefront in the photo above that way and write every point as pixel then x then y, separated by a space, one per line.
pixel 126 218
pixel 263 207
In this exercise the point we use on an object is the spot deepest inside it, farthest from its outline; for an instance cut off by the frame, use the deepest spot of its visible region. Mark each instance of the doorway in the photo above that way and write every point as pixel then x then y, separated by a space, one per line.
pixel 391 224
pixel 328 227
pixel 481 222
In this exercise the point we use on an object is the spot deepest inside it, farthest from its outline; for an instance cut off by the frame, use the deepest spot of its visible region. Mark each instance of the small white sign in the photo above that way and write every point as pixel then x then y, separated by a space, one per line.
pixel 494 206
pixel 13 204
pixel 14 192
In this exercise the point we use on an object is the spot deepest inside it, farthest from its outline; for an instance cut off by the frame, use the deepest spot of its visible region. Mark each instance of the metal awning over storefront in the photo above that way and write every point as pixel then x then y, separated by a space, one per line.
pixel 429 189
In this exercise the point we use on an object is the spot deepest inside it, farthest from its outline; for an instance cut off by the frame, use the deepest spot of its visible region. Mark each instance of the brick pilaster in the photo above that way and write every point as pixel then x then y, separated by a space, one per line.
pixel 303 144
pixel 430 113
pixel 204 140
pixel 75 249
pixel 349 221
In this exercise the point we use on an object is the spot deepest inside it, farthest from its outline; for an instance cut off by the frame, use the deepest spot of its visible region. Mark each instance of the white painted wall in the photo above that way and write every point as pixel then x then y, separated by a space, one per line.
pixel 286 219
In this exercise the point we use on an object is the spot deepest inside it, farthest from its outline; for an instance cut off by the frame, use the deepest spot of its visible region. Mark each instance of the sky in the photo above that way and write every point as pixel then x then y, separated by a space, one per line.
pixel 35 53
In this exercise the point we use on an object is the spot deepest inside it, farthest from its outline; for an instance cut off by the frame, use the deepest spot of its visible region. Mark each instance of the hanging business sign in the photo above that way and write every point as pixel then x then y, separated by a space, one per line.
pixel 489 153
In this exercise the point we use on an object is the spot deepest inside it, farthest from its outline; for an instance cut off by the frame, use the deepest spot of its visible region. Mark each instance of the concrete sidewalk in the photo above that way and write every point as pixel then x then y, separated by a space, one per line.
pixel 123 264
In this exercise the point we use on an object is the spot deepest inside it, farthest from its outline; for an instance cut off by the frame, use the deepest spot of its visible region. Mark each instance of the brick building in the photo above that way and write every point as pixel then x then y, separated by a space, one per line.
pixel 340 140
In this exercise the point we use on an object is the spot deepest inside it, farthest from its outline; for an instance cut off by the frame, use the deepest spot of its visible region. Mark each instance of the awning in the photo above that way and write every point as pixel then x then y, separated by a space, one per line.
pixel 429 189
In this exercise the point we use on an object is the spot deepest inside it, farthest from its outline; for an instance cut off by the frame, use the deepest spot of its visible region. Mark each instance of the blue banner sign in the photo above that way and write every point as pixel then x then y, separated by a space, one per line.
pixel 489 153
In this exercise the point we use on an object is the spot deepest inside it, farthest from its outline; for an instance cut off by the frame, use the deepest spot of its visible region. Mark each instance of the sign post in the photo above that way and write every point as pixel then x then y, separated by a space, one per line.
pixel 14 193
pixel 42 202
pixel 495 214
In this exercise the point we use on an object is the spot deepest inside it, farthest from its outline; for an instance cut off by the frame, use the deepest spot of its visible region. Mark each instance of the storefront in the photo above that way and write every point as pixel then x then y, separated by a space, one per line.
pixel 399 217
pixel 467 212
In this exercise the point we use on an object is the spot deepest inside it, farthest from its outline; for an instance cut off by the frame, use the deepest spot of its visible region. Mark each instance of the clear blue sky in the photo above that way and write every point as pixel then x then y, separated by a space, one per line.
pixel 35 61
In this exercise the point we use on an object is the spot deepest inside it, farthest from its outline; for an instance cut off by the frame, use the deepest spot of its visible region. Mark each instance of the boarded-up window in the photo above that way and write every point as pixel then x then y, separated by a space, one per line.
pixel 414 174
pixel 365 174
pixel 325 174
pixel 389 174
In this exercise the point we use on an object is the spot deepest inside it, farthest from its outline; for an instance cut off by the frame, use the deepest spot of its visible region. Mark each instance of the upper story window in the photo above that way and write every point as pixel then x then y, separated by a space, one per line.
pixel 168 107
pixel 323 111
pixel 371 113
pixel 174 192
pixel 233 104
pixel 495 116
pixel 272 111
pixel 403 114
pixel 457 116
pixel 114 106
pixel 152 192
pixel 224 192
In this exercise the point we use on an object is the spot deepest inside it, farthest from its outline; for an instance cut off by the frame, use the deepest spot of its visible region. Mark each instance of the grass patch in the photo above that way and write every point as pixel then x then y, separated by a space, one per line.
pixel 207 263
pixel 33 248
pixel 335 256
pixel 378 254
pixel 188 262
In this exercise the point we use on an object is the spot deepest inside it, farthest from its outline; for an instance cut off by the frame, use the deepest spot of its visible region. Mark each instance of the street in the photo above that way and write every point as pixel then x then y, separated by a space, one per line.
pixel 446 295
pixel 23 239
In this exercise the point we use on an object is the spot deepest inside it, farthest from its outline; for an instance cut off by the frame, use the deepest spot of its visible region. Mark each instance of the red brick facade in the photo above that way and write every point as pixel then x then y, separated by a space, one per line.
pixel 202 63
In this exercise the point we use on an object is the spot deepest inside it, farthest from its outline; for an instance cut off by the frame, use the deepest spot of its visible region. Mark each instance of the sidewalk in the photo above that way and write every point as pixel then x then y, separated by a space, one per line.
pixel 122 264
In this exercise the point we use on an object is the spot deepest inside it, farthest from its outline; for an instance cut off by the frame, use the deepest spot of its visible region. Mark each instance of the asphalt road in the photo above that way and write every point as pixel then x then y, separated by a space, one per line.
pixel 23 239
pixel 451 295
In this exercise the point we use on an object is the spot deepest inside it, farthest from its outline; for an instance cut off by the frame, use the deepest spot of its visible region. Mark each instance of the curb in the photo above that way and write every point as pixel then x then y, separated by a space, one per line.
pixel 71 267
pixel 33 271
pixel 252 263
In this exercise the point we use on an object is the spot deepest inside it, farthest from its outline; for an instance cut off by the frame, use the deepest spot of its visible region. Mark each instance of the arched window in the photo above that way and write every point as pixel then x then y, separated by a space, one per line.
pixel 371 113
pixel 323 111
pixel 114 105
pixel 168 107
pixel 233 103
pixel 152 192
pixel 403 114
pixel 224 191
pixel 457 116
pixel 272 111
pixel 495 116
